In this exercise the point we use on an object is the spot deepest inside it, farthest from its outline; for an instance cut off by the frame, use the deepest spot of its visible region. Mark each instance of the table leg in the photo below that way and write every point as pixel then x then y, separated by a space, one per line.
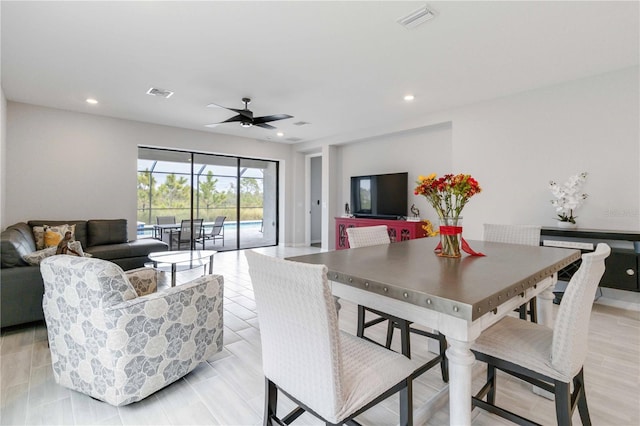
pixel 211 265
pixel 545 307
pixel 173 275
pixel 461 361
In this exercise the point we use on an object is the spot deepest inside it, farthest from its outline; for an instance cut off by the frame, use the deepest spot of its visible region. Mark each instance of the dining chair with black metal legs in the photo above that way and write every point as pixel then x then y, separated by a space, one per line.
pixel 331 374
pixel 551 359
pixel 516 234
pixel 375 235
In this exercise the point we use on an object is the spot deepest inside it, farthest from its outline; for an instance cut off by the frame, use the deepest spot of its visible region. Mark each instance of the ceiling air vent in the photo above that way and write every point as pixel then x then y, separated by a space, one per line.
pixel 294 139
pixel 160 92
pixel 301 123
pixel 417 17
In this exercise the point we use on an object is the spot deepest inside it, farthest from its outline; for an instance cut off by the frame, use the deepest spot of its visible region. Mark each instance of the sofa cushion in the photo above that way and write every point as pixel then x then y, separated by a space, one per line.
pixel 136 248
pixel 110 251
pixel 80 233
pixel 144 246
pixel 101 232
pixel 16 242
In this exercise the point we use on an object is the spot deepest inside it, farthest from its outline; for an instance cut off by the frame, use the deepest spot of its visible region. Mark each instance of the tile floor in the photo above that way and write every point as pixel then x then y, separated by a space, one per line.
pixel 228 388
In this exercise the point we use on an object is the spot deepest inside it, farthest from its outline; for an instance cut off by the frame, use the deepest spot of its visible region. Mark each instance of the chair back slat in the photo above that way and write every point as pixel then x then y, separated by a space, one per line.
pixel 298 328
pixel 368 236
pixel 185 229
pixel 165 220
pixel 218 226
pixel 569 348
pixel 512 234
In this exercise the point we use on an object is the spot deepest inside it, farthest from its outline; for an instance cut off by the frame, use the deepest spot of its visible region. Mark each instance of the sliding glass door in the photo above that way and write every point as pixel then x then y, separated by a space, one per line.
pixel 258 203
pixel 164 185
pixel 237 198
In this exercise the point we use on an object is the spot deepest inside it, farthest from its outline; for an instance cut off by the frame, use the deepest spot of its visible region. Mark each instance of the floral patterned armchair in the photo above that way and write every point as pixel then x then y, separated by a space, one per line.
pixel 113 337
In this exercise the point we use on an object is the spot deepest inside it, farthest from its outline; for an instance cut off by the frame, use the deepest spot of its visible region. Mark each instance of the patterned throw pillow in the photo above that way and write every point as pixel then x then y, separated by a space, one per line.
pixel 40 231
pixel 36 257
pixel 38 234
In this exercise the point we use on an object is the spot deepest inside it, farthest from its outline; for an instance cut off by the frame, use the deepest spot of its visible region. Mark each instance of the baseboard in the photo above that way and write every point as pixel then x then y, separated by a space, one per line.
pixel 622 299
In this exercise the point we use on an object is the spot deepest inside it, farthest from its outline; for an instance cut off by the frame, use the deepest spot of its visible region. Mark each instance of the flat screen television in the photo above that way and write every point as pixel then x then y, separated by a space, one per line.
pixel 379 196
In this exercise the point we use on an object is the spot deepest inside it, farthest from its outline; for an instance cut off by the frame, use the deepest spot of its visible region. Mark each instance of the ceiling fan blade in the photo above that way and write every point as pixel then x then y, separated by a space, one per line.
pixel 267 118
pixel 229 120
pixel 245 112
pixel 235 118
pixel 264 126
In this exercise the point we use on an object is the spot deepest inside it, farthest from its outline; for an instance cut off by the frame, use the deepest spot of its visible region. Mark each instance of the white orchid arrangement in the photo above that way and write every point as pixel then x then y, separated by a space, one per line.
pixel 568 197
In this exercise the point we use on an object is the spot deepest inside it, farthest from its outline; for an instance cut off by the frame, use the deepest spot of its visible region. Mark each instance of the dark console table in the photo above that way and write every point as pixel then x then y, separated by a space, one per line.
pixel 622 264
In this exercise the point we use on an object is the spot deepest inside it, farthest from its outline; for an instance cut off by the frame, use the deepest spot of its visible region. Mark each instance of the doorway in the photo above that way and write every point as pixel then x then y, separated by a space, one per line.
pixel 315 201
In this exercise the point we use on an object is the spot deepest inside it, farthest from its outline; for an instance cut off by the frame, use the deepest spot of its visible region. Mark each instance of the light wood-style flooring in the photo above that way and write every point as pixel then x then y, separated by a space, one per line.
pixel 228 388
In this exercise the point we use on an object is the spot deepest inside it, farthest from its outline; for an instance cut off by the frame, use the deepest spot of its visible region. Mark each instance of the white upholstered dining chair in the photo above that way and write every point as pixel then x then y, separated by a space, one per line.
pixel 516 234
pixel 550 359
pixel 376 235
pixel 326 372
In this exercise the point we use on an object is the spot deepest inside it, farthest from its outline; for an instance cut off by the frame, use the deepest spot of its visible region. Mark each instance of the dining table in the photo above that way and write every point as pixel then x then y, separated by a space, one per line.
pixel 460 297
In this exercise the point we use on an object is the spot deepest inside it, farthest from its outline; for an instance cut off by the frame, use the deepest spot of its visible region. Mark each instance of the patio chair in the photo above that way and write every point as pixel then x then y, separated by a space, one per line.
pixel 162 220
pixel 217 232
pixel 329 373
pixel 550 359
pixel 376 235
pixel 189 231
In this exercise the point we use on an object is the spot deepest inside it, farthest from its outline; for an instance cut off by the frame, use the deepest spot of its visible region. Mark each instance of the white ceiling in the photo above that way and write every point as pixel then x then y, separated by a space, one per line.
pixel 344 66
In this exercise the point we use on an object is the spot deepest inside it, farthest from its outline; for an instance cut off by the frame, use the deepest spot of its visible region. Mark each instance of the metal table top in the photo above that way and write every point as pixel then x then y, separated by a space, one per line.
pixel 466 287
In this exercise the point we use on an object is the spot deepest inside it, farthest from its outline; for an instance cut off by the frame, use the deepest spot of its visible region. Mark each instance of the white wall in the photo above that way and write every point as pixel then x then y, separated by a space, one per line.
pixel 418 152
pixel 67 165
pixel 3 157
pixel 64 165
pixel 515 145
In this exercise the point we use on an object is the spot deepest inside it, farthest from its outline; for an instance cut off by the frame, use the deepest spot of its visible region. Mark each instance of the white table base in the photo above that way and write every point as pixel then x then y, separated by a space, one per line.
pixel 460 335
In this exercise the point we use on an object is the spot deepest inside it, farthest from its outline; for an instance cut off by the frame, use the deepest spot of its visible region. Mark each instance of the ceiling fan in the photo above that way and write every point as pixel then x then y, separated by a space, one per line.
pixel 246 118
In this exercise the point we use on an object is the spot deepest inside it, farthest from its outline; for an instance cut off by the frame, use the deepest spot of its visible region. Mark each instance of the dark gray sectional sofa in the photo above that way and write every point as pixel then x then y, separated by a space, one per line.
pixel 21 286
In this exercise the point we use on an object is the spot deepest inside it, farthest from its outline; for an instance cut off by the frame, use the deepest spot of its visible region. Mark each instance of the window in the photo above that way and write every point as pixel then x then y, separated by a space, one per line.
pixel 189 185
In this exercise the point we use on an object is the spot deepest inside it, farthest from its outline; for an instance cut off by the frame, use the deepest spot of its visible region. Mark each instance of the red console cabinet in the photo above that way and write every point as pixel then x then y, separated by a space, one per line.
pixel 399 230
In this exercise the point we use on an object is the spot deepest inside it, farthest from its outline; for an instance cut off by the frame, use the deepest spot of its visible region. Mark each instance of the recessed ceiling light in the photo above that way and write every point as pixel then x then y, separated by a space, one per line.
pixel 409 97
pixel 91 101
pixel 280 134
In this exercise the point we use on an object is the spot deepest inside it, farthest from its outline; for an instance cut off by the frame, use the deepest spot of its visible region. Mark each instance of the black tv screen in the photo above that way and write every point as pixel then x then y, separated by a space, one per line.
pixel 380 196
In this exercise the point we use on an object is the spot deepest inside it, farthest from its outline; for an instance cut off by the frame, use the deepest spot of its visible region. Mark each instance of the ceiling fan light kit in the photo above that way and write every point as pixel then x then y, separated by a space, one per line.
pixel 246 119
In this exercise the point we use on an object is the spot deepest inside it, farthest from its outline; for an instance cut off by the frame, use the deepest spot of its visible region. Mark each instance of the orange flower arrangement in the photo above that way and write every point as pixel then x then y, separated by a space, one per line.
pixel 447 194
